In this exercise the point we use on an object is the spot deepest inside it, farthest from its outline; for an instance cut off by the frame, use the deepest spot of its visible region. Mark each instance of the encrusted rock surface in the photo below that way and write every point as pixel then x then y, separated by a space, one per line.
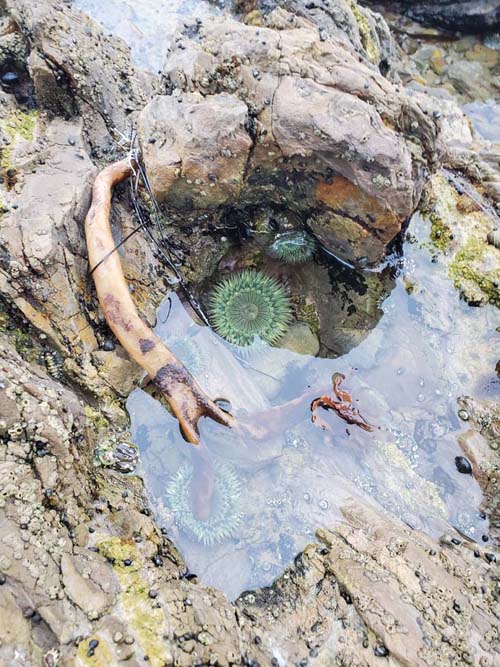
pixel 88 578
pixel 305 124
pixel 86 575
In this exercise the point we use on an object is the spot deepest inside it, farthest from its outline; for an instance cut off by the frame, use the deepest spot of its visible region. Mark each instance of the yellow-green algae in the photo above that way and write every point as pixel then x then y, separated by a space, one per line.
pixel 146 621
pixel 469 276
pixel 369 45
pixel 96 418
pixel 17 124
pixel 440 211
pixel 305 311
pixel 102 655
pixel 473 264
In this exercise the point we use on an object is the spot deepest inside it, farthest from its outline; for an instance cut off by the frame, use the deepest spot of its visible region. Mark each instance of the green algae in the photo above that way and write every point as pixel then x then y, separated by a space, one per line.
pixel 96 418
pixel 17 124
pixel 101 656
pixel 470 278
pixel 146 621
pixel 21 336
pixel 305 311
pixel 459 229
pixel 441 235
pixel 371 48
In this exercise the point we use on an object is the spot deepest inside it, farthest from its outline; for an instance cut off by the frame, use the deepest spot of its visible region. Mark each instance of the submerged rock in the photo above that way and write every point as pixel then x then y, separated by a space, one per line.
pixel 277 115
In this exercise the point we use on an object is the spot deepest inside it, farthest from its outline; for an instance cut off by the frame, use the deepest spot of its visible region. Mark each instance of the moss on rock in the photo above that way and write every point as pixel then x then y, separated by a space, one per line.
pixel 146 620
pixel 459 228
pixel 471 273
pixel 371 48
pixel 17 124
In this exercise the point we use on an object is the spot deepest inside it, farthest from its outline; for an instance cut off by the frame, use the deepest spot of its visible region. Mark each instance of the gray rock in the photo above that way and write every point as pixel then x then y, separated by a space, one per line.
pixel 303 124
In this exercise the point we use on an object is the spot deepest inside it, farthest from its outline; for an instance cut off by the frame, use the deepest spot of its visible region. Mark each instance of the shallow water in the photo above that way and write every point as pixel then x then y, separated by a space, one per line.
pixel 485 117
pixel 407 345
pixel 427 349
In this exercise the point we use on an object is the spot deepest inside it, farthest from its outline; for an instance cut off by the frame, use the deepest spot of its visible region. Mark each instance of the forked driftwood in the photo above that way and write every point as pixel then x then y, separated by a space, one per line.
pixel 186 398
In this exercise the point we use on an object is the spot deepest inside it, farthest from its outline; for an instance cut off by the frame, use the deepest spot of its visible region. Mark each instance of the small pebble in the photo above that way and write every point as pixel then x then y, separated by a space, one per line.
pixel 3 579
pixel 485 538
pixel 153 594
pixel 158 561
pixel 93 643
pixel 491 558
pixel 118 637
pixel 108 345
pixel 129 640
pixel 463 465
pixel 127 562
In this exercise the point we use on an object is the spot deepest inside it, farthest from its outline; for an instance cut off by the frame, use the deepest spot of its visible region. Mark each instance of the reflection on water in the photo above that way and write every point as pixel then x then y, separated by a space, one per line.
pixel 485 117
pixel 244 503
pixel 148 26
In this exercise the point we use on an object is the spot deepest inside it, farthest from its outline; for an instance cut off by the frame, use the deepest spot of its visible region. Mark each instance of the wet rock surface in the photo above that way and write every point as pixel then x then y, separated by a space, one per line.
pixel 467 15
pixel 86 575
pixel 307 127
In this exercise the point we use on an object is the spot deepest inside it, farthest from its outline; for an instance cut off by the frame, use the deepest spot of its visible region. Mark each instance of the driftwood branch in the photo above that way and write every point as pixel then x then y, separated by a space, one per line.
pixel 185 397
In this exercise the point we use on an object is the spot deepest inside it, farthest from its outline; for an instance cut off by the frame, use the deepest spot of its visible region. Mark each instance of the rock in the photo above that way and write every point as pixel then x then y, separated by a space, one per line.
pixel 93 590
pixel 68 54
pixel 467 15
pixel 481 445
pixel 460 223
pixel 300 339
pixel 353 181
pixel 349 22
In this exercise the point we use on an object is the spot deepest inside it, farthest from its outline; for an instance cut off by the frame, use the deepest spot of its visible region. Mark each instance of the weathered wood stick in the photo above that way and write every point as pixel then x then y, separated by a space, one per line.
pixel 185 397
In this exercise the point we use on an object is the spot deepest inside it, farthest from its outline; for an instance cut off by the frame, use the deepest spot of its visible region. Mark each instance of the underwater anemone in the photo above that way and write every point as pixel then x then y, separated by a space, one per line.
pixel 293 247
pixel 249 306
pixel 225 515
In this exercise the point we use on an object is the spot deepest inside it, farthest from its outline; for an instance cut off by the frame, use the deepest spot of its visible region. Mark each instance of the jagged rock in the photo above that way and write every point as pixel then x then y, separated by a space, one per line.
pixel 68 55
pixel 276 115
pixel 346 21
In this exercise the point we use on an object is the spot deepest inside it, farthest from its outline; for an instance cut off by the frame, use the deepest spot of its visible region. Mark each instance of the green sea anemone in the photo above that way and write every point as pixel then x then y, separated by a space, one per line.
pixel 225 513
pixel 249 306
pixel 293 247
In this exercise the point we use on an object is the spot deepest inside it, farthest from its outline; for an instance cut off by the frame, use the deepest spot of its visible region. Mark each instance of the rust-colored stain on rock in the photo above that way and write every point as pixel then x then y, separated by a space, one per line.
pixel 346 198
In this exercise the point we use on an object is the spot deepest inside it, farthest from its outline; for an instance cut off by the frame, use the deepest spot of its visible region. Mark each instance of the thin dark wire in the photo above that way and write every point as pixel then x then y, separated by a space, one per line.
pixel 166 257
pixel 117 246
